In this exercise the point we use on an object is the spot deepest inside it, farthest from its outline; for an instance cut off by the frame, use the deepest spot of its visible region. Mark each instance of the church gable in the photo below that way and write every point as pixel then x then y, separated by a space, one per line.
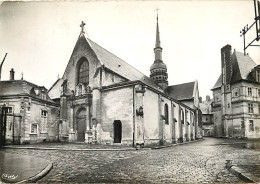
pixel 81 68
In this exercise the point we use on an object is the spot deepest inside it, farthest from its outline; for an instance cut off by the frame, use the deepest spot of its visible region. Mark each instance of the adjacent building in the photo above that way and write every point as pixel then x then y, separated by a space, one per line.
pixel 236 96
pixel 32 116
pixel 207 117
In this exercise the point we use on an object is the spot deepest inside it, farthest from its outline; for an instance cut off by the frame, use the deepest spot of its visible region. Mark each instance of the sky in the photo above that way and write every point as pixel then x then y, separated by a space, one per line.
pixel 39 37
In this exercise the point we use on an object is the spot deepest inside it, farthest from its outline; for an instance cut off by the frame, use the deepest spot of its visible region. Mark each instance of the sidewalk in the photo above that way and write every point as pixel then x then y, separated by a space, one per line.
pixel 71 147
pixel 15 168
pixel 87 147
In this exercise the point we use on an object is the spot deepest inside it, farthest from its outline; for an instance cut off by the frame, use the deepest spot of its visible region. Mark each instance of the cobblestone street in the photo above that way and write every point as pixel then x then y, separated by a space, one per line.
pixel 198 162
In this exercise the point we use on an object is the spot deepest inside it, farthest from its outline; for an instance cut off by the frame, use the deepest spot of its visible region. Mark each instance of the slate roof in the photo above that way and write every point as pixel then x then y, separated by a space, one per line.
pixel 119 66
pixel 181 91
pixel 241 67
pixel 18 87
pixel 55 90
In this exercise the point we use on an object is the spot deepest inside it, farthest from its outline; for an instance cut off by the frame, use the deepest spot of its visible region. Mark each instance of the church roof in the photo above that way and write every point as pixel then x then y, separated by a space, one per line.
pixel 181 91
pixel 55 90
pixel 242 66
pixel 119 66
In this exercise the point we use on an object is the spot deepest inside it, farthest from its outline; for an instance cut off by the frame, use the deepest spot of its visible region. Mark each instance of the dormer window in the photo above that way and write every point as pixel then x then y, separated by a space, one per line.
pixel 44 113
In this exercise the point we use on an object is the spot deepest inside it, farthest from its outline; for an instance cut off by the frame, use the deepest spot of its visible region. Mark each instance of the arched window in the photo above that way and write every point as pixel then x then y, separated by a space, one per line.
pixel 83 71
pixel 182 116
pixel 166 114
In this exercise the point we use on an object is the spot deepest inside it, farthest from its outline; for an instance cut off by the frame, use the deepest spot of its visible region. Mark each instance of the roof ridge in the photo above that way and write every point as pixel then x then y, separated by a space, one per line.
pixel 22 81
pixel 182 84
pixel 117 57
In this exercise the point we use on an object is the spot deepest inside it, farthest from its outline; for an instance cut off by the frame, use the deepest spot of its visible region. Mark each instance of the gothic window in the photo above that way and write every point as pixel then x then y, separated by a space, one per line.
pixel 249 90
pixel 251 125
pixel 83 72
pixel 166 114
pixel 250 108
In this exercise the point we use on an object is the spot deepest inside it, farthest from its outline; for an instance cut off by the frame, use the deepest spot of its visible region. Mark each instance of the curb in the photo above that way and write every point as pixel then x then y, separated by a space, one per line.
pixel 62 149
pixel 38 176
pixel 172 145
pixel 243 175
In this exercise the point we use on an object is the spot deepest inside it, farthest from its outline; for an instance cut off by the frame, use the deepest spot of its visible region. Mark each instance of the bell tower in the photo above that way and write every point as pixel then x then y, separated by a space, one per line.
pixel 158 70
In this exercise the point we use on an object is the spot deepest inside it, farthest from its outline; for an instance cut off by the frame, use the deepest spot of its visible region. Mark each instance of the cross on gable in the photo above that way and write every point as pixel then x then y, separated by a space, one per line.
pixel 82 26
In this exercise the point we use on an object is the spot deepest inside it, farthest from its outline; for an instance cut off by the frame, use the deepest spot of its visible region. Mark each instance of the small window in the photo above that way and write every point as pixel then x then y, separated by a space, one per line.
pixel 9 110
pixel 166 114
pixel 251 125
pixel 250 108
pixel 249 90
pixel 182 116
pixel 34 128
pixel 44 113
pixel 258 92
pixel 236 93
pixel 258 108
pixel 113 78
pixel 64 86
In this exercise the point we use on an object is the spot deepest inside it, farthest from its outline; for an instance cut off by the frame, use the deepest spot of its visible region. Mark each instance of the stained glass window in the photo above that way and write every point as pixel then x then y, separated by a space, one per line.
pixel 83 73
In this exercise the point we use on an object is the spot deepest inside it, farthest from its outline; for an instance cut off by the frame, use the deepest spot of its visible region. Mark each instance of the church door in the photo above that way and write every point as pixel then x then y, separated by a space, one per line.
pixel 81 130
pixel 117 131
pixel 81 125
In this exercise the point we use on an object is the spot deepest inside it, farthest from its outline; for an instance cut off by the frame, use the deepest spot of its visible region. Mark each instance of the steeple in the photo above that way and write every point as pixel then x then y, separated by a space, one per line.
pixel 158 70
pixel 157 42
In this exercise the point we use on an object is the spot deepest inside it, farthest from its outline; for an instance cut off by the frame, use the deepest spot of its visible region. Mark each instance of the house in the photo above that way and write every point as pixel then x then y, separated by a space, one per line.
pixel 207 117
pixel 236 96
pixel 31 115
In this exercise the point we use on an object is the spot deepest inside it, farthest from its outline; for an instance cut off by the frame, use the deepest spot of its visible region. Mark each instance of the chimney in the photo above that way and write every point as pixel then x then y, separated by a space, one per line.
pixel 200 99
pixel 207 98
pixel 226 64
pixel 12 74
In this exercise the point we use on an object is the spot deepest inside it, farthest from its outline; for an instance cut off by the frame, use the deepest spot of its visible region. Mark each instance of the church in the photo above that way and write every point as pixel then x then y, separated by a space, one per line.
pixel 105 100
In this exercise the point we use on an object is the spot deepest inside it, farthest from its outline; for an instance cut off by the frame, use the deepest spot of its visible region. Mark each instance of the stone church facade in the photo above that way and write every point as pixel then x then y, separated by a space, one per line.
pixel 236 96
pixel 104 100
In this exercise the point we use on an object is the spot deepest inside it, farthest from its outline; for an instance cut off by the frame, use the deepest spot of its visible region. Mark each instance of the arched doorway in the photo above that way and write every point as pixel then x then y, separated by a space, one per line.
pixel 81 125
pixel 117 131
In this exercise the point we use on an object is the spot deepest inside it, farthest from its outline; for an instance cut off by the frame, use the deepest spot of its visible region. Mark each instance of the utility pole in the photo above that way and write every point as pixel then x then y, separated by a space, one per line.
pixel 2 65
pixel 256 23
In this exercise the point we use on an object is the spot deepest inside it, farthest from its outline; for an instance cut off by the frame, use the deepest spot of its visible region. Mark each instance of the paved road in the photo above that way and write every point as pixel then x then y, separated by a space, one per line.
pixel 198 162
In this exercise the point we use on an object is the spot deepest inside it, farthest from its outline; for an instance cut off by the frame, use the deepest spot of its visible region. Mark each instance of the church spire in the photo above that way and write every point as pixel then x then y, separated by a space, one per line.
pixel 158 70
pixel 157 42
